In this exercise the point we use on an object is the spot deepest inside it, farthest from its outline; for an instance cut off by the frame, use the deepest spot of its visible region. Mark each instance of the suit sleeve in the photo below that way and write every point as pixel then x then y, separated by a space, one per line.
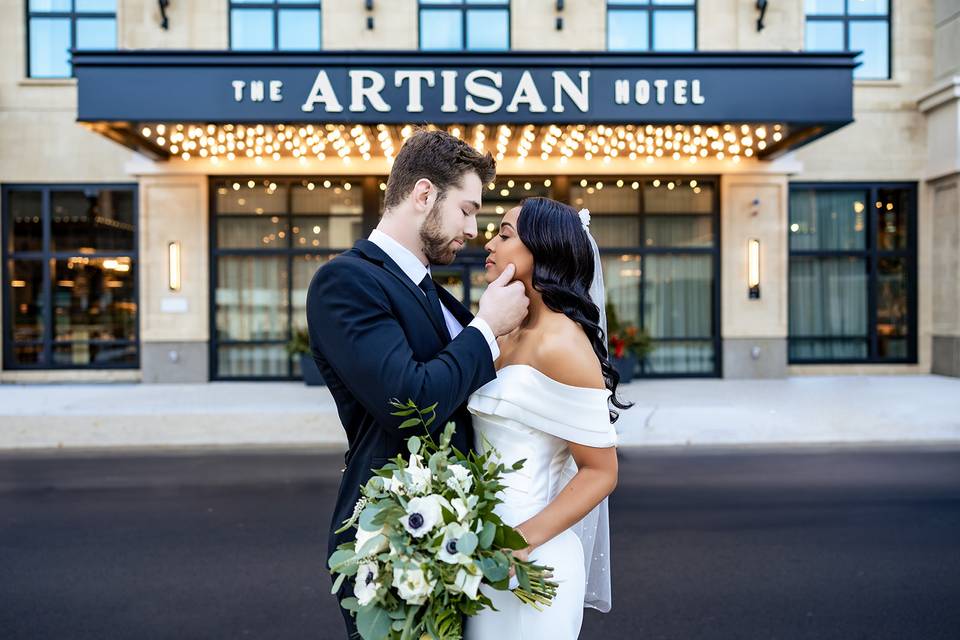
pixel 352 324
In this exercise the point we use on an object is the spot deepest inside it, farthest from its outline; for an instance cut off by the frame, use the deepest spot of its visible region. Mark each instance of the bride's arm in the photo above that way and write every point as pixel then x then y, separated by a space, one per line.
pixel 596 478
pixel 570 359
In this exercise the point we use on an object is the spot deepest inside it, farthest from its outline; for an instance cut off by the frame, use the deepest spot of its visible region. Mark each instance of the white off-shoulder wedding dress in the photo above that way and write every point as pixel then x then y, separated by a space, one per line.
pixel 525 414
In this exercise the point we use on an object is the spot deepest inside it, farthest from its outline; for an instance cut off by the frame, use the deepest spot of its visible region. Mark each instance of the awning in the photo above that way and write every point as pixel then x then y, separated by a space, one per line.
pixel 223 105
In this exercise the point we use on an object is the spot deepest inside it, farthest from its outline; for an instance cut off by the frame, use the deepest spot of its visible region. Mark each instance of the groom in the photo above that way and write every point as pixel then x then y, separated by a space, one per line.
pixel 380 328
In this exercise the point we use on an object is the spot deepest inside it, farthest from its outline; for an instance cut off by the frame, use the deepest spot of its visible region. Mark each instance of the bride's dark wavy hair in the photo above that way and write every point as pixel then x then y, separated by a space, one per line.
pixel 563 272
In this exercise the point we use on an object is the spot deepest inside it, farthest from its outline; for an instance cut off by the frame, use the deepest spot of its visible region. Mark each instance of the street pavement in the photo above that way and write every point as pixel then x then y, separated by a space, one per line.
pixel 812 543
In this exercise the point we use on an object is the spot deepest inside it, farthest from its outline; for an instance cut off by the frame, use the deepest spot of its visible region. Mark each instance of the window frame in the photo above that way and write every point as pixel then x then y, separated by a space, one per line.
pixel 562 185
pixel 871 256
pixel 650 8
pixel 846 18
pixel 72 15
pixel 288 252
pixel 462 6
pixel 46 256
pixel 275 6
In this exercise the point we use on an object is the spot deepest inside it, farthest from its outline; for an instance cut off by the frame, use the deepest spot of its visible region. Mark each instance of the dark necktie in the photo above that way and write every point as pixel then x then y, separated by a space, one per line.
pixel 433 301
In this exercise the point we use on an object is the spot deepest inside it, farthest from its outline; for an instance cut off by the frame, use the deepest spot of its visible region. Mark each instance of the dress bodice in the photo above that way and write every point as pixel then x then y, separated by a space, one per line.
pixel 525 414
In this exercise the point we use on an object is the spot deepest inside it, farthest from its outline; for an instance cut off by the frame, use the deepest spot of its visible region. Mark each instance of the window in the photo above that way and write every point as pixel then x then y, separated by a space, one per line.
pixel 852 279
pixel 269 237
pixel 660 255
pixel 70 277
pixel 282 25
pixel 852 25
pixel 464 25
pixel 651 25
pixel 56 26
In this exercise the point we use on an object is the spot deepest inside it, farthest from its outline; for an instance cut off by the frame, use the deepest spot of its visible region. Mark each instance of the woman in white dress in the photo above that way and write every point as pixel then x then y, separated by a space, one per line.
pixel 550 405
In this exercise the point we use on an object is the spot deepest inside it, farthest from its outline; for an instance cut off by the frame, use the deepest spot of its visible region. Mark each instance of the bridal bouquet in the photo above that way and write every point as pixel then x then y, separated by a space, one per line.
pixel 427 538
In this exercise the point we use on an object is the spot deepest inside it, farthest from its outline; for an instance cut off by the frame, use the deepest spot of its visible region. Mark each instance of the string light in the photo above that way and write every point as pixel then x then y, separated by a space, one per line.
pixel 359 142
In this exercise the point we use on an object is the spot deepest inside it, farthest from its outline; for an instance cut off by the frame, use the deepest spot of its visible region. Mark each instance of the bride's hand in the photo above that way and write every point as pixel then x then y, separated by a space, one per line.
pixel 520 554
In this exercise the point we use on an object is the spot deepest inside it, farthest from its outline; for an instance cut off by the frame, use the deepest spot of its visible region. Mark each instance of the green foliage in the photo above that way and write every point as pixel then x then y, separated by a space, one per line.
pixel 299 342
pixel 466 500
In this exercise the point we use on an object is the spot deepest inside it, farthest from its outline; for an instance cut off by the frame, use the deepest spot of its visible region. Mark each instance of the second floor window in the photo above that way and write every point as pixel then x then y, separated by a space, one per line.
pixel 464 25
pixel 651 25
pixel 56 26
pixel 266 25
pixel 852 25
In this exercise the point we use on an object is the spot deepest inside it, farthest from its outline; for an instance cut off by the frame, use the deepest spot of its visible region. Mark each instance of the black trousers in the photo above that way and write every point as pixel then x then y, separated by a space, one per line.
pixel 349 621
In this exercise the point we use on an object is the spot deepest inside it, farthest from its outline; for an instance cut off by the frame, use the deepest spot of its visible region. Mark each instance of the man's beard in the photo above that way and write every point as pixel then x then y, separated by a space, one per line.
pixel 436 246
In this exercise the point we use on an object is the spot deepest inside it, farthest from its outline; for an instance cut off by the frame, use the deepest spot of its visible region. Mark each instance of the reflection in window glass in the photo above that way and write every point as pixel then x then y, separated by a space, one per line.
pixel 824 35
pixel 628 30
pixel 87 315
pixel 488 30
pixel 272 234
pixel 56 26
pixel 857 25
pixel 49 47
pixel 25 219
pixel 828 219
pixel 872 38
pixel 251 29
pixel 673 31
pixel 96 33
pixel 441 30
pixel 839 279
pixel 299 30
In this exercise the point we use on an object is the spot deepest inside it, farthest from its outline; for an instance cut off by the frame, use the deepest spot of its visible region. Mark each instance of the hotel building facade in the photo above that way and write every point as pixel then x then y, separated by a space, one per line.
pixel 775 192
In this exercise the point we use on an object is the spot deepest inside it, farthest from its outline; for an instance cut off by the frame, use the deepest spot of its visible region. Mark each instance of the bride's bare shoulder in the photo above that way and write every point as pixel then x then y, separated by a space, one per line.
pixel 565 354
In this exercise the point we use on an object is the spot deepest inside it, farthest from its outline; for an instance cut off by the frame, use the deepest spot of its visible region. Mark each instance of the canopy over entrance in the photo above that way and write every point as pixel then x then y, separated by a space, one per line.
pixel 225 105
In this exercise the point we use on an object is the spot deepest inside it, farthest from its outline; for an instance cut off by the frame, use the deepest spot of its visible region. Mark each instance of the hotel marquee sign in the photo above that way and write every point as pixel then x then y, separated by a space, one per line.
pixel 402 87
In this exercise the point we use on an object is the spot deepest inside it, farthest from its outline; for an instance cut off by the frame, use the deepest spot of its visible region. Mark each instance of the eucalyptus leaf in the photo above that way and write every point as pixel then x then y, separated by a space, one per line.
pixel 486 535
pixel 370 545
pixel 338 583
pixel 339 557
pixel 467 543
pixel 413 444
pixel 350 604
pixel 373 623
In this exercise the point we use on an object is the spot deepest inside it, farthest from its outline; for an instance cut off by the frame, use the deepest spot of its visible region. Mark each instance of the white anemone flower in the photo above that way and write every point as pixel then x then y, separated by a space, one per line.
pixel 366 585
pixel 448 548
pixel 422 515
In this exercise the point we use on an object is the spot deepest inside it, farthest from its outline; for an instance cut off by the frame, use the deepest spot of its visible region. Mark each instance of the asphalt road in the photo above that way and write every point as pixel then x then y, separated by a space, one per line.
pixel 707 544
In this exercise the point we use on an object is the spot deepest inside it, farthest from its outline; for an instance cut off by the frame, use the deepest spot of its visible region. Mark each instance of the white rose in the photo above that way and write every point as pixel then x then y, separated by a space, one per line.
pixel 467 582
pixel 422 515
pixel 363 536
pixel 448 548
pixel 419 475
pixel 395 485
pixel 461 480
pixel 460 508
pixel 412 585
pixel 366 585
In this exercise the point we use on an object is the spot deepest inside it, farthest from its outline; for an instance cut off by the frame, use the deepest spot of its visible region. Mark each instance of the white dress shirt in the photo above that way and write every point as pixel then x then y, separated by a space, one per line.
pixel 416 270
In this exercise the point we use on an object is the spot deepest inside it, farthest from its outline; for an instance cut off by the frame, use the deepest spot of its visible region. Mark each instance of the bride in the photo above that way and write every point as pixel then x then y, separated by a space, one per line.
pixel 549 406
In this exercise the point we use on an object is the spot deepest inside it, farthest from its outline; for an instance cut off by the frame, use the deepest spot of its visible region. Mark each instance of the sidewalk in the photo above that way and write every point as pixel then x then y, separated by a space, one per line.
pixel 798 410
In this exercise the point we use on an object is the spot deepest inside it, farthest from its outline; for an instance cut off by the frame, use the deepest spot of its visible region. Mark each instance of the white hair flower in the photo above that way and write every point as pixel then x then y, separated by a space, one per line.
pixel 585 217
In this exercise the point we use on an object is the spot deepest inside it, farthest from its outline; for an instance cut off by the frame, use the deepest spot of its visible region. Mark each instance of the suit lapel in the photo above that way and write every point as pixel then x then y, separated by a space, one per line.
pixel 460 312
pixel 375 254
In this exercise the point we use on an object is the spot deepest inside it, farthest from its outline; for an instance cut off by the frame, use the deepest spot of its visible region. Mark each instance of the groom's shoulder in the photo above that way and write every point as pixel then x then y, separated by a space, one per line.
pixel 349 266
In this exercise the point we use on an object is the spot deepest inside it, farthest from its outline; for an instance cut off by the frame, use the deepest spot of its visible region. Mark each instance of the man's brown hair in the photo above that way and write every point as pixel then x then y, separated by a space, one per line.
pixel 440 158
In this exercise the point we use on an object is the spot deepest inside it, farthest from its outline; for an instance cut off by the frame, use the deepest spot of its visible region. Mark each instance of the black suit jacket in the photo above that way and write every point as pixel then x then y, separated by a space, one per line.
pixel 373 339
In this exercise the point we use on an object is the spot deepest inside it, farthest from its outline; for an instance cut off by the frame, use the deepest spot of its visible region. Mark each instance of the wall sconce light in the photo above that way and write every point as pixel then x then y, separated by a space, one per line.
pixel 762 8
pixel 173 270
pixel 753 268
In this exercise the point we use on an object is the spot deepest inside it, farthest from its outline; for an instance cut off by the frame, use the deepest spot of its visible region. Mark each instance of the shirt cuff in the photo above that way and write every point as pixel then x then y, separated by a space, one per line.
pixel 487 332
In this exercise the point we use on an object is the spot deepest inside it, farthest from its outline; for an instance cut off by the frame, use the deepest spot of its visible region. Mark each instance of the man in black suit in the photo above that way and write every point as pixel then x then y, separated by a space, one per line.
pixel 380 328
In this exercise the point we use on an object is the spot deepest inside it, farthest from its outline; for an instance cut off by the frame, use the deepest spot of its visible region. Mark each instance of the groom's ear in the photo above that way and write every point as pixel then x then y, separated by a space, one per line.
pixel 423 195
